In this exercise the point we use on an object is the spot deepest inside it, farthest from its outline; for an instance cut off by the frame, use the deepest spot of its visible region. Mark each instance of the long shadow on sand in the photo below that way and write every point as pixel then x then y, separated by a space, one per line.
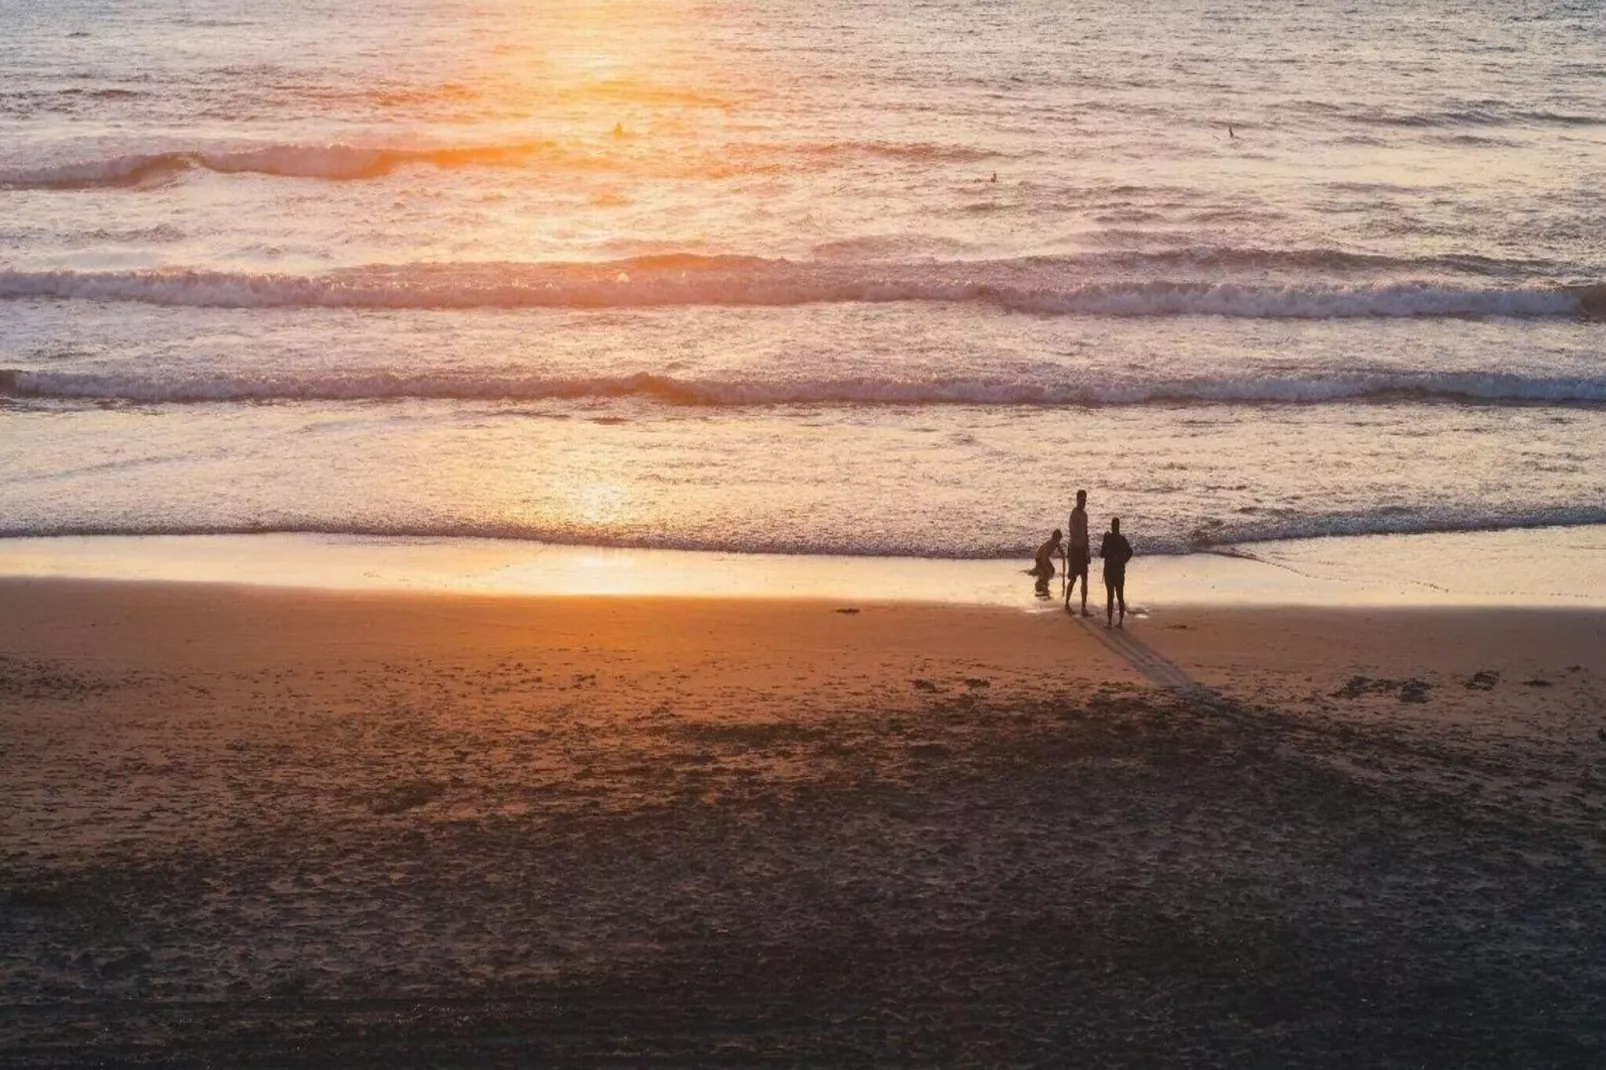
pixel 1152 665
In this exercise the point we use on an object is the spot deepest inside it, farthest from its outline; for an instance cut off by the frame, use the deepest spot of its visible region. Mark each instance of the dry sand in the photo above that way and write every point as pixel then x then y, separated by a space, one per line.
pixel 252 827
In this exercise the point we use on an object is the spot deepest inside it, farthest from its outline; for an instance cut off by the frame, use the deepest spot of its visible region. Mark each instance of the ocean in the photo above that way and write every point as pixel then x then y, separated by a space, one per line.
pixel 848 277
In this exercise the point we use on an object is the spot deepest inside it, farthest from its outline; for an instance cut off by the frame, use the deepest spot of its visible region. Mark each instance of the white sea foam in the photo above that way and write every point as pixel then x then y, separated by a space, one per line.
pixel 1152 541
pixel 679 280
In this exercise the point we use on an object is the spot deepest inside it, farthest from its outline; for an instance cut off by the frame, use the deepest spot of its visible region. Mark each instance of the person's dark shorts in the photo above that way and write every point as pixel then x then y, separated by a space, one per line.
pixel 1114 577
pixel 1077 563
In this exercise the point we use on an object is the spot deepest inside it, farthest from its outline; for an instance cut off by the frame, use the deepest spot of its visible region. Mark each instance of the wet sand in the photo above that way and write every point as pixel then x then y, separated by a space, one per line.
pixel 1558 568
pixel 262 828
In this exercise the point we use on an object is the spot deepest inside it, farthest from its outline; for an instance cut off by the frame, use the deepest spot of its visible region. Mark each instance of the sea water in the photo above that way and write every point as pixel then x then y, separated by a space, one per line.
pixel 844 277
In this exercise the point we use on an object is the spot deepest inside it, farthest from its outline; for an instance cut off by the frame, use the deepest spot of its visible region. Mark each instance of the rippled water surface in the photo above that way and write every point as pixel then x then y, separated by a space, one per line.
pixel 837 277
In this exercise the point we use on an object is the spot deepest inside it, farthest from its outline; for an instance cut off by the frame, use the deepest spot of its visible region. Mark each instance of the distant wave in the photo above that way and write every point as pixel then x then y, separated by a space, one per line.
pixel 343 162
pixel 1309 259
pixel 1151 541
pixel 917 151
pixel 1424 387
pixel 686 280
pixel 1487 113
pixel 331 162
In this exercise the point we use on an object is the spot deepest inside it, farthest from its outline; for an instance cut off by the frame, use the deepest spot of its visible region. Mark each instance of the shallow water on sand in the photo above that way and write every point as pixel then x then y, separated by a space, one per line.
pixel 1559 567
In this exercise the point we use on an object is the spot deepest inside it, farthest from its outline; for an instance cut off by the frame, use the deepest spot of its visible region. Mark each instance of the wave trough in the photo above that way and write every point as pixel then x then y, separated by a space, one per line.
pixel 1024 286
pixel 1491 387
pixel 1495 387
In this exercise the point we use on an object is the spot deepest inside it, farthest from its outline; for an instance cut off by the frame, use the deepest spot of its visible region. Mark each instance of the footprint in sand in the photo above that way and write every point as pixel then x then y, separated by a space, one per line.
pixel 1357 686
pixel 1483 680
pixel 1408 690
pixel 1414 691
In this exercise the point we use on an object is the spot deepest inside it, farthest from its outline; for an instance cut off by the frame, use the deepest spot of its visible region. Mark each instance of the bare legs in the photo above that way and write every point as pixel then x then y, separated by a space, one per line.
pixel 1114 592
pixel 1070 588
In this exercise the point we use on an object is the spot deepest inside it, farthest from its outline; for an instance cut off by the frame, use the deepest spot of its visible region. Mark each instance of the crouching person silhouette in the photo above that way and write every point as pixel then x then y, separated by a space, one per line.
pixel 1043 569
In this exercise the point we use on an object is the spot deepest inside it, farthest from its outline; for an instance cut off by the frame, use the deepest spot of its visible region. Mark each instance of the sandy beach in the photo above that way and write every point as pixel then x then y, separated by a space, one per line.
pixel 518 530
pixel 252 827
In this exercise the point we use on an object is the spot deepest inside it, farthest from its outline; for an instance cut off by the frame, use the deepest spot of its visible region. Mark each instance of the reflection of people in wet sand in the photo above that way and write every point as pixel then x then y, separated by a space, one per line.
pixel 1044 568
pixel 1116 552
pixel 1077 552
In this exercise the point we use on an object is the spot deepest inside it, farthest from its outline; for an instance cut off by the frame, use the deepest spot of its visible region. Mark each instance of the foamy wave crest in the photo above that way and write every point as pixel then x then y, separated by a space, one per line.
pixel 684 280
pixel 378 386
pixel 1156 539
pixel 1391 521
pixel 330 162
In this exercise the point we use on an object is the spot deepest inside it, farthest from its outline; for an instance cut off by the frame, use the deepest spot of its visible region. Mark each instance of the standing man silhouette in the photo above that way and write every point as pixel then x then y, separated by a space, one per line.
pixel 1116 552
pixel 1077 552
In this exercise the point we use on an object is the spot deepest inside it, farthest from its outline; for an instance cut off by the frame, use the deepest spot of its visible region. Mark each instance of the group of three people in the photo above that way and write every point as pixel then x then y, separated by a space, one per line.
pixel 1114 549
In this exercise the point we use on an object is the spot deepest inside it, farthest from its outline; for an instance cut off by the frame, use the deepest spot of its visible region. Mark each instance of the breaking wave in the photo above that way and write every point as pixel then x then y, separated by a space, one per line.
pixel 330 162
pixel 1494 388
pixel 1029 286
pixel 346 162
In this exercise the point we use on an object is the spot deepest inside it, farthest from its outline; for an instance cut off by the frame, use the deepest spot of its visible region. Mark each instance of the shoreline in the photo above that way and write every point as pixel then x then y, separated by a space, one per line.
pixel 1523 567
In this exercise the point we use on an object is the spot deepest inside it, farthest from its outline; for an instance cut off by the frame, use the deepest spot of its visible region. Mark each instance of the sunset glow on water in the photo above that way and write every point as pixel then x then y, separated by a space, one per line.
pixel 843 278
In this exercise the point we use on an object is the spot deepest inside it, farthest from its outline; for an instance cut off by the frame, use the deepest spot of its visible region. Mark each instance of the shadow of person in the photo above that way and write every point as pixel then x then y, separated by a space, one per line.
pixel 1146 661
